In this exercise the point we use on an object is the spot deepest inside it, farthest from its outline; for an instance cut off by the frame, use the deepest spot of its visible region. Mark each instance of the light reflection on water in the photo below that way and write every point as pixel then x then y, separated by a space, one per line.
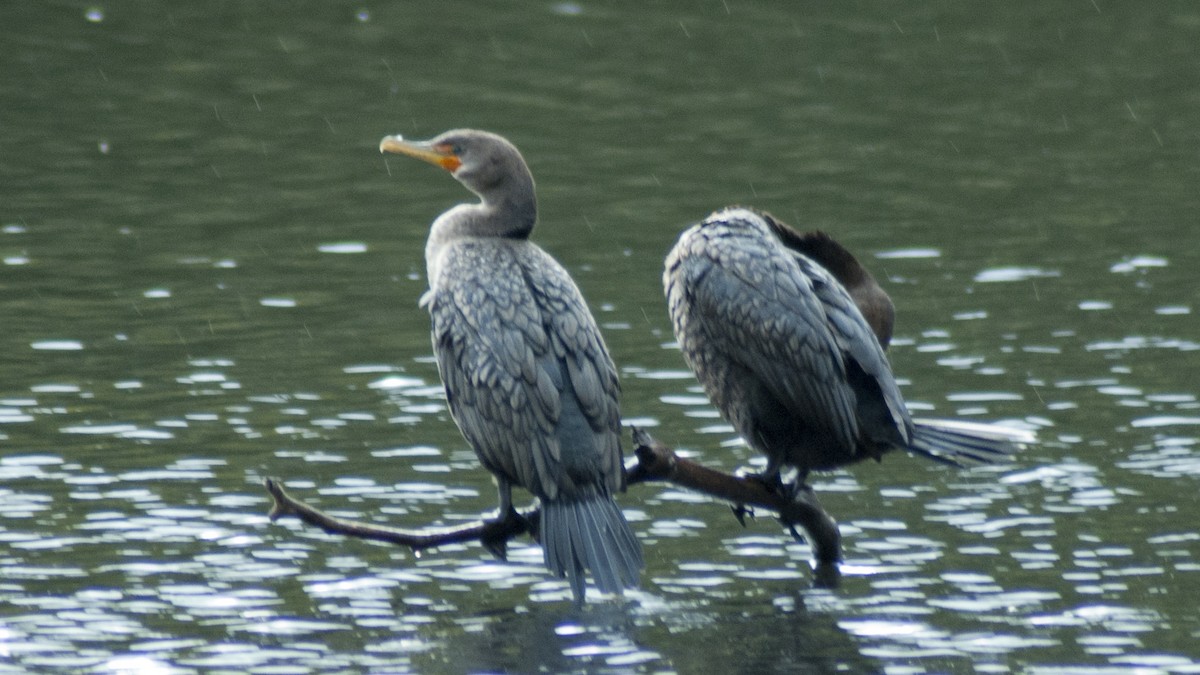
pixel 210 277
pixel 186 556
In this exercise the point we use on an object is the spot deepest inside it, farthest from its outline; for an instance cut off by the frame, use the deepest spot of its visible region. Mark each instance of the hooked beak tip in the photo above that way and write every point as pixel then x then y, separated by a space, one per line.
pixel 389 143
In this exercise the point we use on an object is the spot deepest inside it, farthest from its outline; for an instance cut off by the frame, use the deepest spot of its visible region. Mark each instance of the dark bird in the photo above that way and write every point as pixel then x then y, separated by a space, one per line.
pixel 786 331
pixel 527 375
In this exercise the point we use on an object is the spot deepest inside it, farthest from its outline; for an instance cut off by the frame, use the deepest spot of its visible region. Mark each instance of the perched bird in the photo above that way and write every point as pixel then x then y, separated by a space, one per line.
pixel 527 375
pixel 786 332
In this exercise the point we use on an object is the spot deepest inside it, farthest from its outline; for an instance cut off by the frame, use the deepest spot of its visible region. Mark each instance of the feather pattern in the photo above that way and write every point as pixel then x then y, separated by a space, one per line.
pixel 531 386
pixel 785 353
pixel 528 380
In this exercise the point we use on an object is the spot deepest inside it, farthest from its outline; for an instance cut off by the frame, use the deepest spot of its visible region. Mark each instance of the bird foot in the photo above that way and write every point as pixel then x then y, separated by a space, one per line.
pixel 497 532
pixel 793 490
pixel 797 491
pixel 771 482
pixel 740 511
pixel 791 528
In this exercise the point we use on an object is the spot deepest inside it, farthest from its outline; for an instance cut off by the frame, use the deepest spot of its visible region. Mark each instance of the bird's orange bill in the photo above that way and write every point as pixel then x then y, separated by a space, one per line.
pixel 441 154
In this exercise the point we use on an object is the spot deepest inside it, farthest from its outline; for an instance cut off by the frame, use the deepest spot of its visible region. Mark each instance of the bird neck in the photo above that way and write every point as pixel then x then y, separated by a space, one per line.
pixel 507 204
pixel 511 215
pixel 504 219
pixel 497 221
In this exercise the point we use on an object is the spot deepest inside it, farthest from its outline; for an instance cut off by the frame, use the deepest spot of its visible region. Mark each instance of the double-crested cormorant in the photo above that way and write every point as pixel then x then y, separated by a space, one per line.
pixel 786 332
pixel 527 375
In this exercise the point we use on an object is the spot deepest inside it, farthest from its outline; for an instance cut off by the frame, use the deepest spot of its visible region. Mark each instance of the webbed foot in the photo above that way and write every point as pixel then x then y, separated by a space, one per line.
pixel 770 480
pixel 797 491
pixel 497 532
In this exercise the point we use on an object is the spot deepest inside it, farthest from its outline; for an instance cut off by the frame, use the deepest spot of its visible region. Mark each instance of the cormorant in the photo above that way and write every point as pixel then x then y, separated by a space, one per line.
pixel 786 331
pixel 527 375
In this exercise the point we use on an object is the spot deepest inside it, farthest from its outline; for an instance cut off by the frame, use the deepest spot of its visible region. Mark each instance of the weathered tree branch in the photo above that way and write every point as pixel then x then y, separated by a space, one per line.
pixel 652 461
pixel 657 462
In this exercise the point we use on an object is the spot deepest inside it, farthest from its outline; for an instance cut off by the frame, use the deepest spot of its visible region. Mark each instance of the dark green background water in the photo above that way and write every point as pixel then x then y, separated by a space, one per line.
pixel 210 275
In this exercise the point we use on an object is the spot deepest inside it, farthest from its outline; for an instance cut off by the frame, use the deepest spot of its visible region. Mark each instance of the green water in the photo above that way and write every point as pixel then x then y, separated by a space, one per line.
pixel 210 275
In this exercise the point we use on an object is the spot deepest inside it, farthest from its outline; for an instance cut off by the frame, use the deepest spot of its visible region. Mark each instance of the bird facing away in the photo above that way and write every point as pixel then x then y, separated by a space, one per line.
pixel 786 332
pixel 527 375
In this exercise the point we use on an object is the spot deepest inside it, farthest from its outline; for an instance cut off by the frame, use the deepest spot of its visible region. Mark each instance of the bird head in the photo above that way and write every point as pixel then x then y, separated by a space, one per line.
pixel 480 160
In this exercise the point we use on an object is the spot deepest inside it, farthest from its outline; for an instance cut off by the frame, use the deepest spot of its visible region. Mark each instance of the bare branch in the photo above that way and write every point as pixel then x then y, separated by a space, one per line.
pixel 652 462
pixel 488 532
pixel 657 462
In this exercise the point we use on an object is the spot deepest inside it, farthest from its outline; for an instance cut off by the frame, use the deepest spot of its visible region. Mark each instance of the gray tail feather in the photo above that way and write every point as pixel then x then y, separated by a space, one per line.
pixel 590 533
pixel 966 444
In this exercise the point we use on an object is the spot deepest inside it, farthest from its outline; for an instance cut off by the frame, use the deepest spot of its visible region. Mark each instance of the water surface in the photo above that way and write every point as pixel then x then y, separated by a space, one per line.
pixel 210 275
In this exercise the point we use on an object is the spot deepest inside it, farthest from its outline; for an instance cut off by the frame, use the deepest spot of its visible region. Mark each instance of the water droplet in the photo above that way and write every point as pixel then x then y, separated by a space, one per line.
pixel 94 14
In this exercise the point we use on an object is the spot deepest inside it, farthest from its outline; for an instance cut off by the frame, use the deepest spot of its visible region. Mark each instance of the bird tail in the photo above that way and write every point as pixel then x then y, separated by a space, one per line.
pixel 966 444
pixel 590 533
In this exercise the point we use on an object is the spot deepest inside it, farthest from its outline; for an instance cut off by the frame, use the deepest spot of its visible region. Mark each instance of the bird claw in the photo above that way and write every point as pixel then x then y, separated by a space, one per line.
pixel 495 539
pixel 798 488
pixel 796 492
pixel 772 483
pixel 791 528
pixel 498 548
pixel 791 491
pixel 740 511
pixel 497 532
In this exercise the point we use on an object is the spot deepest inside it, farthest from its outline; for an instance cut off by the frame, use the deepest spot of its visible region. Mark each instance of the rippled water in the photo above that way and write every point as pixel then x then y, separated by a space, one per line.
pixel 210 276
